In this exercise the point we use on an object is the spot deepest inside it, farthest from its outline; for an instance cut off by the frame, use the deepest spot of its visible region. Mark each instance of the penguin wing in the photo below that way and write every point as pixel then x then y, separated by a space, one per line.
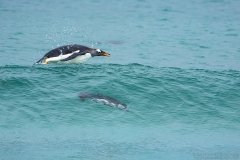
pixel 74 55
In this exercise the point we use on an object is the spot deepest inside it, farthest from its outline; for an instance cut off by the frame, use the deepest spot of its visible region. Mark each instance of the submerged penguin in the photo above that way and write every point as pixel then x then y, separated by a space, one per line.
pixel 106 100
pixel 71 54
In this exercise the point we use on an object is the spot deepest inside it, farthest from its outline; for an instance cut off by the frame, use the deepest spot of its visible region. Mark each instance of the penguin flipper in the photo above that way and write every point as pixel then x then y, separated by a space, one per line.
pixel 74 55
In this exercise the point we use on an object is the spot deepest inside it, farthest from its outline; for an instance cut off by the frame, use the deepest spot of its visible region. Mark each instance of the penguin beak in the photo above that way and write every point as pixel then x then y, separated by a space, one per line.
pixel 105 54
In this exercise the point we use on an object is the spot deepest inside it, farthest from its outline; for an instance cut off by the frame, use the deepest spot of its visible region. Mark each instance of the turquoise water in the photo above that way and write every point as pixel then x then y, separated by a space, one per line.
pixel 175 64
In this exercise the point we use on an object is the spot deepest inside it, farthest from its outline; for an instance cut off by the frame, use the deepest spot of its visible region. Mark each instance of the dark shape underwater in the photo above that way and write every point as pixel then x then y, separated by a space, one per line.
pixel 106 100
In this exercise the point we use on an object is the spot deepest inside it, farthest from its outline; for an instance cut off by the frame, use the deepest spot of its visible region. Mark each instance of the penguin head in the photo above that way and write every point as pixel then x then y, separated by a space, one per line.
pixel 99 52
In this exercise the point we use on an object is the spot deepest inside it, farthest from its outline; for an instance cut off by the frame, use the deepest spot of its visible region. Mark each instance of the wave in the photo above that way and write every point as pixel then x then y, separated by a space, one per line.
pixel 112 65
pixel 154 95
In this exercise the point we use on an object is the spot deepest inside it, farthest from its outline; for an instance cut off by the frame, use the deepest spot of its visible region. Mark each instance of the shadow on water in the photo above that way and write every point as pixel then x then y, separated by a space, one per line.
pixel 114 42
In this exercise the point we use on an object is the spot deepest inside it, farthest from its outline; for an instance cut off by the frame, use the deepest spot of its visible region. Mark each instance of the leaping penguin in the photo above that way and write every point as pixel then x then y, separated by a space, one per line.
pixel 71 54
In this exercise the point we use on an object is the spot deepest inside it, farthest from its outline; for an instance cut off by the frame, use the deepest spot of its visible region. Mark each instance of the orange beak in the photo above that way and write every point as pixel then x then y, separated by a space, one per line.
pixel 105 54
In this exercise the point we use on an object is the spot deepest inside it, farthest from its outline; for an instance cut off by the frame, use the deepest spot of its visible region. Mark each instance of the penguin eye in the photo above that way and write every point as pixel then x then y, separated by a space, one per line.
pixel 99 51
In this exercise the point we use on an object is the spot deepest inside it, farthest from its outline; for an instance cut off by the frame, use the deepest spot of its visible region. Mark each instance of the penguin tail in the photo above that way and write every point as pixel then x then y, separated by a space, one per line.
pixel 41 61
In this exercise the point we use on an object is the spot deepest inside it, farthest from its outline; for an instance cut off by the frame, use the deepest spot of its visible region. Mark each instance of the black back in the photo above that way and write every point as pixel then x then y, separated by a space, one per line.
pixel 66 49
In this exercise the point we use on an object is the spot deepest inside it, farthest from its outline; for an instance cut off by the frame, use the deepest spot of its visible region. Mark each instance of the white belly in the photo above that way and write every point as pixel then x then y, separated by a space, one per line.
pixel 79 59
pixel 56 59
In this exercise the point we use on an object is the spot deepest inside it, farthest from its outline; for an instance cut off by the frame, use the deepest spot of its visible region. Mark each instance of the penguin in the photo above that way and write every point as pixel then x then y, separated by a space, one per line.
pixel 106 100
pixel 74 53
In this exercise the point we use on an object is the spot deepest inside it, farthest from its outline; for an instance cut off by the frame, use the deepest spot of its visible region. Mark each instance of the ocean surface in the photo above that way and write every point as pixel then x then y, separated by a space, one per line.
pixel 176 64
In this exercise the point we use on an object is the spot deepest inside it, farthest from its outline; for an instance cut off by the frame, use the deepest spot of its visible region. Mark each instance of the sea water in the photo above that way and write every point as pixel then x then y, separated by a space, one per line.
pixel 174 63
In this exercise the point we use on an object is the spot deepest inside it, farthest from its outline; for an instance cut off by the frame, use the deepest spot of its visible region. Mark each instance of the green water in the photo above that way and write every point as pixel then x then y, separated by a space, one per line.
pixel 182 111
pixel 175 64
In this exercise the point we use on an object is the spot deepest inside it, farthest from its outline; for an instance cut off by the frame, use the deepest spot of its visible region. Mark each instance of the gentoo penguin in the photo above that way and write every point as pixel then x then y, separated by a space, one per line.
pixel 106 100
pixel 71 54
